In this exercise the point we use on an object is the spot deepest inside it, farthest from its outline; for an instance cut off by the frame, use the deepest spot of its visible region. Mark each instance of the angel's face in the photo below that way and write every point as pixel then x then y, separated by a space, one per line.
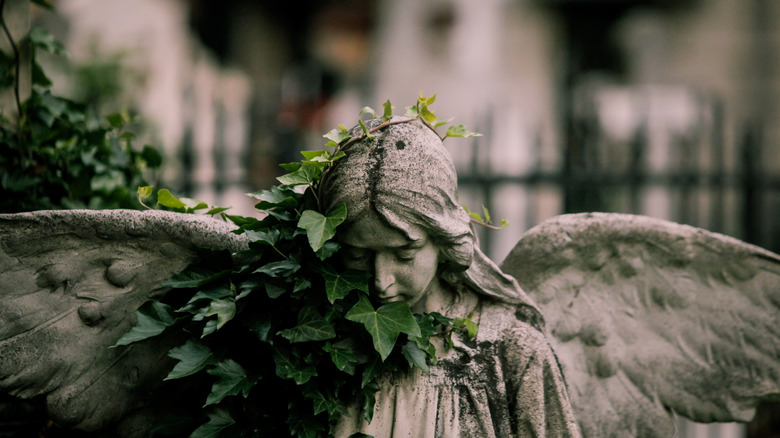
pixel 403 269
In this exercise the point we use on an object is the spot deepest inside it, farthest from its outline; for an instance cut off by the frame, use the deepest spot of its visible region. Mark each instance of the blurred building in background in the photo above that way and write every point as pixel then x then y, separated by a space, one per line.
pixel 660 107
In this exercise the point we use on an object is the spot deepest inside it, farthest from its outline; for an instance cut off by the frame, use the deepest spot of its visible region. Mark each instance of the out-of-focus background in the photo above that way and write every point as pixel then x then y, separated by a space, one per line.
pixel 667 108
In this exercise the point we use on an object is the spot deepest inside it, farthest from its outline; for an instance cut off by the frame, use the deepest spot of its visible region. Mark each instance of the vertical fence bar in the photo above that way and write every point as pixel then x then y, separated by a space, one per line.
pixel 718 210
pixel 635 168
pixel 750 169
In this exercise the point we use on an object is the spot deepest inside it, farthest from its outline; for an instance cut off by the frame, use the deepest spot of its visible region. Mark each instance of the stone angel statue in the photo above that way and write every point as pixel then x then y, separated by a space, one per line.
pixel 596 325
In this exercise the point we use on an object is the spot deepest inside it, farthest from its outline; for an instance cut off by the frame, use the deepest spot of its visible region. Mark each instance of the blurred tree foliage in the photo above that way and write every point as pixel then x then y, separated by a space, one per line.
pixel 57 153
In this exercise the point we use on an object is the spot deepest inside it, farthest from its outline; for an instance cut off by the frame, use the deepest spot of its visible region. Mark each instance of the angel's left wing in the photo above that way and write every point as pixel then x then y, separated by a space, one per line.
pixel 647 316
pixel 70 282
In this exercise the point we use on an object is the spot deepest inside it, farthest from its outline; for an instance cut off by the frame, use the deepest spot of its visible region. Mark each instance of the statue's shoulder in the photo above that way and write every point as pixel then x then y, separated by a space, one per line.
pixel 501 322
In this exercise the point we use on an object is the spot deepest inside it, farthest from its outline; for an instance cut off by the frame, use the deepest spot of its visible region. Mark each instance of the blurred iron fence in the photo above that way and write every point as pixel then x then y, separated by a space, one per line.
pixel 695 171
pixel 674 157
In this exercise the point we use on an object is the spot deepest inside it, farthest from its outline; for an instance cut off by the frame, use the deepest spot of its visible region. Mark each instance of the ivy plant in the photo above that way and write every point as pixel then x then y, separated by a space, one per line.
pixel 282 338
pixel 57 153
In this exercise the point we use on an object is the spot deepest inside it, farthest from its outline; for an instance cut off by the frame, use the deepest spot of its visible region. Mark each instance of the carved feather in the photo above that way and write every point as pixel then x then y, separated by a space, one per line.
pixel 70 282
pixel 648 317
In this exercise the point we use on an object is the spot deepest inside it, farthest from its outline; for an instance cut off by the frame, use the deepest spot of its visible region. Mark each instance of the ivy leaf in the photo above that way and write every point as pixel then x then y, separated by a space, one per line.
pixel 231 380
pixel 241 221
pixel 153 317
pixel 337 135
pixel 301 284
pixel 319 228
pixel 209 328
pixel 486 213
pixel 209 294
pixel 275 197
pixel 439 123
pixel 193 204
pixel 367 110
pixel 311 327
pixel 306 174
pixel 384 324
pixel 365 130
pixel 217 210
pixel 291 167
pixel 470 326
pixel 304 426
pixel 316 156
pixel 415 356
pixel 460 131
pixel 219 421
pixel 145 192
pixel 370 372
pixel 427 114
pixel 224 310
pixel 268 237
pixel 343 358
pixel 261 328
pixel 320 403
pixel 441 319
pixel 328 249
pixel 286 368
pixel 164 197
pixel 369 400
pixel 339 284
pixel 283 268
pixel 339 155
pixel 193 357
pixel 426 324
pixel 388 111
pixel 421 108
pixel 192 277
pixel 274 291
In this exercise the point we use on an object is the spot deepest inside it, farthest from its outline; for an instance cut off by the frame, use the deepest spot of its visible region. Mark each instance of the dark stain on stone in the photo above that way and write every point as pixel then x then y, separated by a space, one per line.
pixel 375 172
pixel 380 140
pixel 400 145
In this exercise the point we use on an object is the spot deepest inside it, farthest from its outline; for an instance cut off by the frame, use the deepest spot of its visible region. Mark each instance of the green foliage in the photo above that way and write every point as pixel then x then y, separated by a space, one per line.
pixel 321 228
pixel 384 324
pixel 180 204
pixel 284 330
pixel 152 319
pixel 57 154
pixel 484 219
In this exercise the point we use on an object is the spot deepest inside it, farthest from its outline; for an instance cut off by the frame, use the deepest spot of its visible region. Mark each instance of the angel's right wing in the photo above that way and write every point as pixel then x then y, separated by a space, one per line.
pixel 648 316
pixel 70 282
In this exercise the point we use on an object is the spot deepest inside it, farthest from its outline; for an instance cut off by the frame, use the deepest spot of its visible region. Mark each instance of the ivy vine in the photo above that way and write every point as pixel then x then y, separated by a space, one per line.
pixel 282 338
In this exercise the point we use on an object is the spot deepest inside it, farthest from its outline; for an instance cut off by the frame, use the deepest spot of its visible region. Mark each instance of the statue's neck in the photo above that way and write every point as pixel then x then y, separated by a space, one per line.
pixel 442 298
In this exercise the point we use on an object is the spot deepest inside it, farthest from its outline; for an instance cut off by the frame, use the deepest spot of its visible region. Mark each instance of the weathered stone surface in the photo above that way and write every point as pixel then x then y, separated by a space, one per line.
pixel 649 316
pixel 70 282
pixel 400 189
pixel 645 316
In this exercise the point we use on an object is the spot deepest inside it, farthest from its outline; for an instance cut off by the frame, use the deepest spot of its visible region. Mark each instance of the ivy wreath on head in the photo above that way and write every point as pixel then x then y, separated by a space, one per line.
pixel 279 342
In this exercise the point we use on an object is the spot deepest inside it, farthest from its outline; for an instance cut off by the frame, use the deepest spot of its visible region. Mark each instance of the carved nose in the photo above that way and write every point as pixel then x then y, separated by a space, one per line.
pixel 383 277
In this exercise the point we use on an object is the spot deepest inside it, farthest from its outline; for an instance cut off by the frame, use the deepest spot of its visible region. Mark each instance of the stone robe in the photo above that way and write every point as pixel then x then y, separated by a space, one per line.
pixel 504 383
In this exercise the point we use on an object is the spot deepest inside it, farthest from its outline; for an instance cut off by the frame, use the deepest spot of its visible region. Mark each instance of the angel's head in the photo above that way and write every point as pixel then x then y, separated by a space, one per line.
pixel 400 190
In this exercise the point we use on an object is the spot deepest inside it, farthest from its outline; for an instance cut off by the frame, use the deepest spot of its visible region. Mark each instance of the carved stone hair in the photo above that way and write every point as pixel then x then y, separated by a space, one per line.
pixel 407 177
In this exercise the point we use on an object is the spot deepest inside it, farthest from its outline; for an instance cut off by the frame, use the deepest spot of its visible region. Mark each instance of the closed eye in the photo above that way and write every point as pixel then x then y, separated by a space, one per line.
pixel 353 254
pixel 405 255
